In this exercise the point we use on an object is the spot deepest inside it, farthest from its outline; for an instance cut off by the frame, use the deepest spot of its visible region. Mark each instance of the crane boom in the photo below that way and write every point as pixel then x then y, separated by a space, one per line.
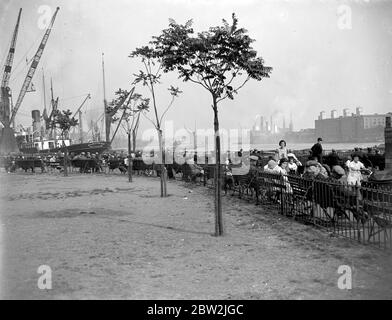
pixel 80 118
pixel 11 54
pixel 84 101
pixel 33 66
pixel 5 91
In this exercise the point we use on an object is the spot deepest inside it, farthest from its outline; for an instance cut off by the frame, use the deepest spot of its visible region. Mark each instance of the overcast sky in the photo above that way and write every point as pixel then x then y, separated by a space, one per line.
pixel 320 59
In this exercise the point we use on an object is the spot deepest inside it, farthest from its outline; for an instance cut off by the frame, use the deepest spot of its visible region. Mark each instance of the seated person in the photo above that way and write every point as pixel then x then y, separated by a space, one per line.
pixel 338 174
pixel 292 167
pixel 314 170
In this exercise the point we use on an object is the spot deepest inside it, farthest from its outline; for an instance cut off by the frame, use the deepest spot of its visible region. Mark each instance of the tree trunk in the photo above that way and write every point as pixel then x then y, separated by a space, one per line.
pixel 134 141
pixel 65 159
pixel 217 176
pixel 129 158
pixel 162 166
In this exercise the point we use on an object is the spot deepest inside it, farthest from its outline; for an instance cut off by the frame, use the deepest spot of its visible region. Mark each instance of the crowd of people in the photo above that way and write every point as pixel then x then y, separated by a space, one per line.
pixel 89 161
pixel 351 169
pixel 331 167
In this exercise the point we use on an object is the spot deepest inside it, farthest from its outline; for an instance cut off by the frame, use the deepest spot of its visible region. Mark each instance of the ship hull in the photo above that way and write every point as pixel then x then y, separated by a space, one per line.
pixel 91 147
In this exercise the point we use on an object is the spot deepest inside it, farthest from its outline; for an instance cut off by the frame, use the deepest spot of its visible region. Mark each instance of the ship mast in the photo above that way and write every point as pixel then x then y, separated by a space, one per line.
pixel 44 90
pixel 106 124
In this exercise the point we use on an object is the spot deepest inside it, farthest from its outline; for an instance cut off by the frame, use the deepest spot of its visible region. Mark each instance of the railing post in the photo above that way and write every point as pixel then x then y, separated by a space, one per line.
pixel 357 195
pixel 313 202
pixel 281 194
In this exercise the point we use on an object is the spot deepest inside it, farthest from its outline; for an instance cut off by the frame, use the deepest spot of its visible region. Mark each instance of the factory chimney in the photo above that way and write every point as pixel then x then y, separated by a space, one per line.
pixel 262 124
pixel 322 115
pixel 346 112
pixel 358 111
pixel 333 114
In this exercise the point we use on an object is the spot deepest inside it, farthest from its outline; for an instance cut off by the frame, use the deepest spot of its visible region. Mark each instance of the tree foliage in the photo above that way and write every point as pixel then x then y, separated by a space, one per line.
pixel 64 121
pixel 150 77
pixel 215 59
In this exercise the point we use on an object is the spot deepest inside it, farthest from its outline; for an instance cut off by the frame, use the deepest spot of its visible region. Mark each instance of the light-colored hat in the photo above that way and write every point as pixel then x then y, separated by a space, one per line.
pixel 254 158
pixel 312 163
pixel 272 164
pixel 338 170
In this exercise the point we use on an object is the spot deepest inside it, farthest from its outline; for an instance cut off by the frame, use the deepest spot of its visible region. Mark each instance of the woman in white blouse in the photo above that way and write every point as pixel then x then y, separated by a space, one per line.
pixel 354 171
pixel 281 152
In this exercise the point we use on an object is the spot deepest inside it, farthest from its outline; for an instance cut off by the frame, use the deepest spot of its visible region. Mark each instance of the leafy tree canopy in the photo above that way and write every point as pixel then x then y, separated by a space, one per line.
pixel 63 120
pixel 213 58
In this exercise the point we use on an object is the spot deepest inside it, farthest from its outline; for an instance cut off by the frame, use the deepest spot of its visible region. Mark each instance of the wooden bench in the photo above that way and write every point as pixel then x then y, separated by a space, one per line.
pixel 300 197
pixel 270 188
pixel 27 164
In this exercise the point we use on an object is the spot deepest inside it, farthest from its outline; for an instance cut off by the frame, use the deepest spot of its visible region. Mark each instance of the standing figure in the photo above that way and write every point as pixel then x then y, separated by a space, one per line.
pixel 317 150
pixel 281 152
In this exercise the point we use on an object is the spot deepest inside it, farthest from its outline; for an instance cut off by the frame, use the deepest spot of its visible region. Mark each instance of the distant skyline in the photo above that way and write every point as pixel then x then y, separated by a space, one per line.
pixel 317 64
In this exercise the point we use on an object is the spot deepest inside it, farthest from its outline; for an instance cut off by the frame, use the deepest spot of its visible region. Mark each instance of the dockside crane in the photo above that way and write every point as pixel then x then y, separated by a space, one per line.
pixel 8 141
pixel 33 66
pixel 79 112
pixel 5 91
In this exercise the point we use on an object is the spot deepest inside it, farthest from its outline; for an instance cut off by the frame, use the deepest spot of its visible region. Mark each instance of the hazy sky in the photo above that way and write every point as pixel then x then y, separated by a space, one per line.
pixel 320 61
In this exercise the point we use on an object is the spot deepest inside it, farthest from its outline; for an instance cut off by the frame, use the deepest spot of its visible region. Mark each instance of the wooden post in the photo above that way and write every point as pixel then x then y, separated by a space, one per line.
pixel 65 159
pixel 129 158
pixel 357 198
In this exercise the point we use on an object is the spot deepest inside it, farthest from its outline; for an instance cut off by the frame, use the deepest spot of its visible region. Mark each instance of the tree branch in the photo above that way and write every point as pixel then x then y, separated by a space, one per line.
pixel 167 109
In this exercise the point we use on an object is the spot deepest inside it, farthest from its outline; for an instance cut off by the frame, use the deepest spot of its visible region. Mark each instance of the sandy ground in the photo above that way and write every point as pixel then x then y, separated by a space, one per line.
pixel 106 238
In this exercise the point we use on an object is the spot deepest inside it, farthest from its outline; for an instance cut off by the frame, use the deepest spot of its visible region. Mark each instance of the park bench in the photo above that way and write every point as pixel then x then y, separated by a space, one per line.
pixel 380 219
pixel 117 164
pixel 337 202
pixel 245 185
pixel 27 164
pixel 190 174
pixel 270 187
pixel 86 165
pixel 378 204
pixel 300 197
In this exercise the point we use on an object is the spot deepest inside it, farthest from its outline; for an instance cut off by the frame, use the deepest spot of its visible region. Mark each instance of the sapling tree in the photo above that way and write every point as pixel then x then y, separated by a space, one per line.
pixel 64 122
pixel 131 112
pixel 220 60
pixel 150 77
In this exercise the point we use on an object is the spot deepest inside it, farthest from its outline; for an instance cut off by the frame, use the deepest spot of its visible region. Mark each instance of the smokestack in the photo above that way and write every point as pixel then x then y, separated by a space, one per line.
pixel 322 115
pixel 388 142
pixel 35 114
pixel 346 112
pixel 334 114
pixel 358 111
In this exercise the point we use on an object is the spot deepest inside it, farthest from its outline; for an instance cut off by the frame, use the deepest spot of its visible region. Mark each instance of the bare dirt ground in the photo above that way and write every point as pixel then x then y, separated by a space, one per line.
pixel 105 238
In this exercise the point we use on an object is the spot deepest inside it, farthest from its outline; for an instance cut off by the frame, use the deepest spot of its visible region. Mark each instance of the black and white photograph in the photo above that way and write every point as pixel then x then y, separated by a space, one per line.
pixel 216 151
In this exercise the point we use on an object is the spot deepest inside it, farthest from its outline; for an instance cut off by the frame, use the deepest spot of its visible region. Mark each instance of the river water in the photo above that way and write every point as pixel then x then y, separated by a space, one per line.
pixel 326 146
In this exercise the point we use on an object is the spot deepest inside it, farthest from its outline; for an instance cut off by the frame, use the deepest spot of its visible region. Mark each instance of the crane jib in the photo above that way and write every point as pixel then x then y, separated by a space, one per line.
pixel 33 67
